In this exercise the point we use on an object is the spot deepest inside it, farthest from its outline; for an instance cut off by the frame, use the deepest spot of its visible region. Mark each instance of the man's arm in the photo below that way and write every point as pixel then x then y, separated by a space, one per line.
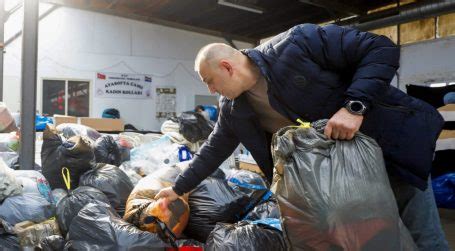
pixel 220 144
pixel 373 60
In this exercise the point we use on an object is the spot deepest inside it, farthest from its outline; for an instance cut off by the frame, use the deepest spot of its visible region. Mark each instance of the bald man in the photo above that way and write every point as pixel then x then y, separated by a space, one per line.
pixel 309 73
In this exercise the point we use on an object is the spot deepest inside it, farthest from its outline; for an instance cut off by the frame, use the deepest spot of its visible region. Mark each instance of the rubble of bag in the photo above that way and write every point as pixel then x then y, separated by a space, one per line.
pixel 245 236
pixel 7 123
pixel 194 127
pixel 158 153
pixel 444 190
pixel 267 209
pixel 142 208
pixel 334 194
pixel 98 227
pixel 9 142
pixel 112 181
pixel 30 234
pixel 69 206
pixel 211 202
pixel 70 130
pixel 9 185
pixel 107 151
pixel 76 154
pixel 52 243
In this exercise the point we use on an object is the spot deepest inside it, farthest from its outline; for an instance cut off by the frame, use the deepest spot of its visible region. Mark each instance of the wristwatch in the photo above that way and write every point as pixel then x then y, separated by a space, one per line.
pixel 355 107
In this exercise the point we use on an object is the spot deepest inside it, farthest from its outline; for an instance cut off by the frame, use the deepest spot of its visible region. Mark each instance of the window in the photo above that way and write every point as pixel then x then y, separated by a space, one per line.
pixel 66 97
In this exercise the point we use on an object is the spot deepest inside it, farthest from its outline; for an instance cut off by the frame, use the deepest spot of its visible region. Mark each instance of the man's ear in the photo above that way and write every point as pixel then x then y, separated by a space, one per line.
pixel 226 65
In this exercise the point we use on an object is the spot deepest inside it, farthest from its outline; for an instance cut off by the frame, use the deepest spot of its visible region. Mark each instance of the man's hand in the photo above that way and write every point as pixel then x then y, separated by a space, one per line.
pixel 167 193
pixel 343 125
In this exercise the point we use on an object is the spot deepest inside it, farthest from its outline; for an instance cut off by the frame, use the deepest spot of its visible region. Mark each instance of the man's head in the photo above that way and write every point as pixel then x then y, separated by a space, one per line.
pixel 224 70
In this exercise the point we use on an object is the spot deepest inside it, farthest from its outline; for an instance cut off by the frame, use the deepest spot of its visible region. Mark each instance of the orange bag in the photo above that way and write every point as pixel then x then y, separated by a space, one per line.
pixel 147 213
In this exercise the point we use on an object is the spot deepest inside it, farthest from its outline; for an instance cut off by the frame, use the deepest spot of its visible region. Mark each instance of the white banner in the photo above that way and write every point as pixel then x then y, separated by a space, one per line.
pixel 118 85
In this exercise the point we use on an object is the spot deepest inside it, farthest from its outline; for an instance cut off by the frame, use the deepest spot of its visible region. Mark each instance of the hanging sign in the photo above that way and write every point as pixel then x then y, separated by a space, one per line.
pixel 119 85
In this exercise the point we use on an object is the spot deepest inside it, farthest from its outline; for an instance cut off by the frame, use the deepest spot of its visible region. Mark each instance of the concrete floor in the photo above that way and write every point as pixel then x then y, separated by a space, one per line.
pixel 448 223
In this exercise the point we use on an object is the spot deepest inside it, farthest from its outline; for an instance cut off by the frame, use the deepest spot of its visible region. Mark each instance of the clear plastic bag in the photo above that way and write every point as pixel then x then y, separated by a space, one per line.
pixel 9 185
pixel 69 130
pixel 160 153
pixel 9 142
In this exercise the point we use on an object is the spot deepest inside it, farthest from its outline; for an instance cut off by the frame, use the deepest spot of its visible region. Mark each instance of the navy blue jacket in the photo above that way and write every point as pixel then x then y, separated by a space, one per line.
pixel 311 71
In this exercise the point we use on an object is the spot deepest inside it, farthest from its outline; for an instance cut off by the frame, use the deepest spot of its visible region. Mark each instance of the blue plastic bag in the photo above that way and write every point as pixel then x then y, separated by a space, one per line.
pixel 444 190
pixel 212 111
pixel 41 122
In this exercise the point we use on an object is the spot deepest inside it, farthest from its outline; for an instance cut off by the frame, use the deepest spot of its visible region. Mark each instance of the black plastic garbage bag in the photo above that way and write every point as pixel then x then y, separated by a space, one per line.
pixel 76 154
pixel 268 209
pixel 250 184
pixel 9 242
pixel 69 206
pixel 52 243
pixel 194 127
pixel 112 181
pixel 334 195
pixel 245 236
pixel 107 151
pixel 98 227
pixel 211 202
pixel 69 130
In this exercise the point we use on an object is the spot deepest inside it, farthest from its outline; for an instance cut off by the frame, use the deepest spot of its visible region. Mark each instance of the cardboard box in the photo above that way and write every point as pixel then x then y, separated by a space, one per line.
pixel 61 119
pixel 251 167
pixel 103 125
pixel 99 124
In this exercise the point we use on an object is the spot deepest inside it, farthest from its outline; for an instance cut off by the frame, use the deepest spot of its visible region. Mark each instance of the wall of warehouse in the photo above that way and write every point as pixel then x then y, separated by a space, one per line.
pixel 75 44
pixel 427 62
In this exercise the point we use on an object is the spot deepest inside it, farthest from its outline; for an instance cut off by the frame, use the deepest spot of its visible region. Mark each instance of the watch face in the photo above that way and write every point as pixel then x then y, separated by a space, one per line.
pixel 356 106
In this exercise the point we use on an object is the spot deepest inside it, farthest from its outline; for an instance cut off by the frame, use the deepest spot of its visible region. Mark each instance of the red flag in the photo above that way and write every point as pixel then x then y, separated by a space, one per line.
pixel 101 76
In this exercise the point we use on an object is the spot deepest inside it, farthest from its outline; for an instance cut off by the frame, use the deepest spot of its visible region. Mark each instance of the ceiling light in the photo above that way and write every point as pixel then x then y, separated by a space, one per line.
pixel 241 7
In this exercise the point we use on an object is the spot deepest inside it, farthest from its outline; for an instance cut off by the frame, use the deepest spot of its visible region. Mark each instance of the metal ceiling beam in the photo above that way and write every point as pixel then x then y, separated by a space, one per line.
pixel 18 34
pixel 155 20
pixel 410 14
pixel 334 6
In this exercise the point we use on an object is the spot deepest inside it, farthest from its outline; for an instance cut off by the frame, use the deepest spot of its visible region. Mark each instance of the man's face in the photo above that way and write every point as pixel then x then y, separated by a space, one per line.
pixel 220 79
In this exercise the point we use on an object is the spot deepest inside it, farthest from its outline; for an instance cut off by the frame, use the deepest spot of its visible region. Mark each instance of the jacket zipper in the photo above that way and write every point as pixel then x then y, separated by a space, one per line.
pixel 395 107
